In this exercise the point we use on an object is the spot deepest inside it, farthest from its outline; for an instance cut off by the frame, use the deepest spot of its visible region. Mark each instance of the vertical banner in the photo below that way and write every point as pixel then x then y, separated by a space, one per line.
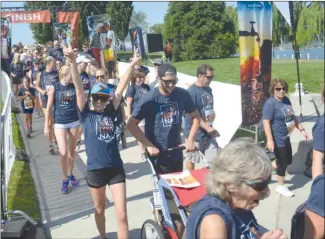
pixel 101 35
pixel 137 40
pixel 255 43
pixel 6 35
pixel 72 18
pixel 63 33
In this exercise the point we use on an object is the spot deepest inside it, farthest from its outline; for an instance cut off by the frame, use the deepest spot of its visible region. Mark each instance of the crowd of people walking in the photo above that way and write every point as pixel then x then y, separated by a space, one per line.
pixel 79 96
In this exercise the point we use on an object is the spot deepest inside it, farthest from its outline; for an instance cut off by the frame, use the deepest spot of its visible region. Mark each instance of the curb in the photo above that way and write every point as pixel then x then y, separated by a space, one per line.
pixel 41 232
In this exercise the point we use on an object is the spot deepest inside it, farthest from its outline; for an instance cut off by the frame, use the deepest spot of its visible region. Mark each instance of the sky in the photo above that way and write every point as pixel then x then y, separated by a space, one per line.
pixel 155 14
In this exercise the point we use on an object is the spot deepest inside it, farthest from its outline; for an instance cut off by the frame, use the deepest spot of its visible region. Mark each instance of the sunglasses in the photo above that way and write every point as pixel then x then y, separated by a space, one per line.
pixel 100 77
pixel 101 98
pixel 279 89
pixel 258 184
pixel 169 82
pixel 209 77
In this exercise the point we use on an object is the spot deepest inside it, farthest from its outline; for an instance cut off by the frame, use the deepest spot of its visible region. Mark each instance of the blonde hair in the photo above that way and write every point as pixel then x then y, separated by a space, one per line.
pixel 16 58
pixel 63 71
pixel 48 60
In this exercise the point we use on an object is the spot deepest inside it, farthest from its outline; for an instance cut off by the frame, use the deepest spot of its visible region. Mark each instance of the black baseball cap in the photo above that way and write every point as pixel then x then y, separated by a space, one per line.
pixel 166 69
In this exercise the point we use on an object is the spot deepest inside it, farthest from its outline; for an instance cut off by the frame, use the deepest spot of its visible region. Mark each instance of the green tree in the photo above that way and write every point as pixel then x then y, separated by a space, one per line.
pixel 139 18
pixel 42 32
pixel 200 30
pixel 233 15
pixel 311 24
pixel 157 28
pixel 120 13
pixel 281 29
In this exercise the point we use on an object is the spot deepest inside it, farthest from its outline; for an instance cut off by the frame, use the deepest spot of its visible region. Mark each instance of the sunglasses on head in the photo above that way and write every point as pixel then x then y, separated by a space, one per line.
pixel 102 98
pixel 100 77
pixel 279 89
pixel 258 184
pixel 169 82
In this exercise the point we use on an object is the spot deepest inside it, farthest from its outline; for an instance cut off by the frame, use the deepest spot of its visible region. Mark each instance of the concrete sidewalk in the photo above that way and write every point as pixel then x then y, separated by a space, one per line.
pixel 72 215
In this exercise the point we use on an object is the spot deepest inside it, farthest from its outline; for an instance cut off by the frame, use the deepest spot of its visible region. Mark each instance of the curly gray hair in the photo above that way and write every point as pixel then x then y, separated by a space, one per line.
pixel 240 160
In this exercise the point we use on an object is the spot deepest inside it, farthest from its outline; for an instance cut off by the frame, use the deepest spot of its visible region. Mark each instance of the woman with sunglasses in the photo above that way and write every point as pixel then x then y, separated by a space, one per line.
pixel 135 91
pixel 63 105
pixel 279 121
pixel 102 130
pixel 237 182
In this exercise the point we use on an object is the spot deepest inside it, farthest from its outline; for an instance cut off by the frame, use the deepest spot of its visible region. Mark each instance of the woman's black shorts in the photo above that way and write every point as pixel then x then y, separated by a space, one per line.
pixel 98 178
pixel 284 154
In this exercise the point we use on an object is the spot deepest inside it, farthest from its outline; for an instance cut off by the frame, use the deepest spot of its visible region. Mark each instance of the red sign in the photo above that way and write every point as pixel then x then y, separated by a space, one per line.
pixel 43 16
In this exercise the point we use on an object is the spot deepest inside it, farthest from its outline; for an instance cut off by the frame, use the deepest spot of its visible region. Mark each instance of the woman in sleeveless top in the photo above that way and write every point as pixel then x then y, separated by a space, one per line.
pixel 102 130
pixel 62 104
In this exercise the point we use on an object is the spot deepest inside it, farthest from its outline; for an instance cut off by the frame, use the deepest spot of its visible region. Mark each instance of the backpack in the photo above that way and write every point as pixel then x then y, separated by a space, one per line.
pixel 298 222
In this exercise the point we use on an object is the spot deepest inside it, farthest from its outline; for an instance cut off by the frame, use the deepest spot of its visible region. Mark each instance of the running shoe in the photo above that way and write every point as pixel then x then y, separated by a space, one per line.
pixel 283 190
pixel 28 135
pixel 51 149
pixel 65 186
pixel 38 115
pixel 74 181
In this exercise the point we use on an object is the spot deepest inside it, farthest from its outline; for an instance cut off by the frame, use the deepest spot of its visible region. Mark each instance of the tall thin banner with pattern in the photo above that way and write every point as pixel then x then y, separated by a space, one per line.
pixel 255 44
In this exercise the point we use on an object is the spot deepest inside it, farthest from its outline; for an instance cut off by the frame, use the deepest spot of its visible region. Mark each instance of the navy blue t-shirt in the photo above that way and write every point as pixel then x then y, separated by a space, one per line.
pixel 102 135
pixel 48 79
pixel 17 69
pixel 163 115
pixel 239 223
pixel 318 135
pixel 27 103
pixel 203 99
pixel 65 104
pixel 135 91
pixel 315 202
pixel 281 116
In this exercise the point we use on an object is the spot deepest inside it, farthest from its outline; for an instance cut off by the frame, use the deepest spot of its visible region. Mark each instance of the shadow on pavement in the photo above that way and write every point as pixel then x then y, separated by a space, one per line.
pixel 299 158
pixel 136 170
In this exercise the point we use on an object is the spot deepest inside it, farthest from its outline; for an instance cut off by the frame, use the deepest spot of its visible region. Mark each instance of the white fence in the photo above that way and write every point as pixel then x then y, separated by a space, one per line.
pixel 7 147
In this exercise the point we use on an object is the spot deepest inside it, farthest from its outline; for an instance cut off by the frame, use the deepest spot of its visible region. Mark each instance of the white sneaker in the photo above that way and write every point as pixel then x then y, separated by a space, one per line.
pixel 283 190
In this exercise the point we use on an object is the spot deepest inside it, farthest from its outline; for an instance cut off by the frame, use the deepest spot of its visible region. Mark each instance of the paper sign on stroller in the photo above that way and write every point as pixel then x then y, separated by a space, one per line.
pixel 182 180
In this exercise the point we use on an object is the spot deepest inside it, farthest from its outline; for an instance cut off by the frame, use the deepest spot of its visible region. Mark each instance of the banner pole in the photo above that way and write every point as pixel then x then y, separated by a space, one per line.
pixel 296 52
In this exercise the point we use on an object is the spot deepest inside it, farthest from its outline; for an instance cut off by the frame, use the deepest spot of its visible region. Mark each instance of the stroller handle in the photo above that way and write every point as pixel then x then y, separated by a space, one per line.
pixel 177 148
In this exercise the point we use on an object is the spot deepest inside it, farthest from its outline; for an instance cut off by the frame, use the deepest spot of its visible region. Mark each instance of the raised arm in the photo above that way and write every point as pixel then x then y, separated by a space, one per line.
pixel 125 79
pixel 71 57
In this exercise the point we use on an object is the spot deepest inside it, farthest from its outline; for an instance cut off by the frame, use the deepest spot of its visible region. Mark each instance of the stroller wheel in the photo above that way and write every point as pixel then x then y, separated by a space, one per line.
pixel 151 230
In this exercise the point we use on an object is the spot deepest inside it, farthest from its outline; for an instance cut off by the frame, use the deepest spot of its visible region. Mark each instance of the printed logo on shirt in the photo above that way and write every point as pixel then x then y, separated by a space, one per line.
pixel 86 83
pixel 50 80
pixel 249 231
pixel 170 114
pixel 209 114
pixel 105 129
pixel 142 91
pixel 289 114
pixel 66 98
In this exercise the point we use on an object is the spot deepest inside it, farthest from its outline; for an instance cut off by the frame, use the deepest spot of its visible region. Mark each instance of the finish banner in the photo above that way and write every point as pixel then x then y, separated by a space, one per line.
pixel 255 45
pixel 42 16
pixel 72 18
pixel 137 40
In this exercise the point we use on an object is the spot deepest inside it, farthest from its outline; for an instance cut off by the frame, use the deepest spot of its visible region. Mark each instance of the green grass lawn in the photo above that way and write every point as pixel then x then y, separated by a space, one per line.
pixel 227 70
pixel 21 189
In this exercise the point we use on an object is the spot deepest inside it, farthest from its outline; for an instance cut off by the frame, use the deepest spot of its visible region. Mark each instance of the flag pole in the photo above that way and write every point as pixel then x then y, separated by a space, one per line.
pixel 296 52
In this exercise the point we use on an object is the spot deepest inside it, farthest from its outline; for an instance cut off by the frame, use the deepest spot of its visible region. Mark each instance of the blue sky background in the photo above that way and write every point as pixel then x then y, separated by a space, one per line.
pixel 155 14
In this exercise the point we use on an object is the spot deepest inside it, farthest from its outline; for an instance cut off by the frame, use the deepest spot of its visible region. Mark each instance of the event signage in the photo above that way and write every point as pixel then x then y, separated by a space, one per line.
pixel 137 40
pixel 73 18
pixel 42 16
pixel 255 44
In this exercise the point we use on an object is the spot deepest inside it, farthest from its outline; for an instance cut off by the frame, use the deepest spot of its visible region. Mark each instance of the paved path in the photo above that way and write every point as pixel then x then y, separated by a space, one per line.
pixel 72 215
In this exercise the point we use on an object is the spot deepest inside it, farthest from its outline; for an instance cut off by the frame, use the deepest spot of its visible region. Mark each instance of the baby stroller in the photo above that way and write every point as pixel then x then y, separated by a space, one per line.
pixel 171 205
